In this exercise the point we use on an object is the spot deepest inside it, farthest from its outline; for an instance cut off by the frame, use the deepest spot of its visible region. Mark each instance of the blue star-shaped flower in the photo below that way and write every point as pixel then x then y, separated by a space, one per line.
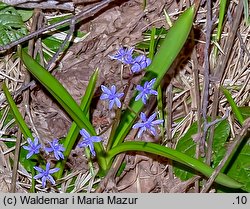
pixel 45 174
pixel 140 63
pixel 33 147
pixel 124 55
pixel 145 91
pixel 111 95
pixel 147 124
pixel 88 141
pixel 56 148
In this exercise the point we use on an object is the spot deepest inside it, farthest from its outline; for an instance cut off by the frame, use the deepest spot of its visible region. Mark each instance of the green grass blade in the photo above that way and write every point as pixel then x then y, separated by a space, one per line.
pixel 235 109
pixel 152 43
pixel 18 117
pixel 160 110
pixel 170 48
pixel 27 163
pixel 74 129
pixel 222 14
pixel 246 11
pixel 173 155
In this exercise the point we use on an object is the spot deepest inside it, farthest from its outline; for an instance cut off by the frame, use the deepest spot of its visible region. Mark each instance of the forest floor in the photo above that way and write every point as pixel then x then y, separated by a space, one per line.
pixel 123 24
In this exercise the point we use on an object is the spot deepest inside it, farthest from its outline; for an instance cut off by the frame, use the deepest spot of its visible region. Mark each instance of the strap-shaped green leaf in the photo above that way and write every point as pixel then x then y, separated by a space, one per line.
pixel 27 163
pixel 74 129
pixel 170 48
pixel 173 155
pixel 64 98
pixel 18 117
pixel 58 91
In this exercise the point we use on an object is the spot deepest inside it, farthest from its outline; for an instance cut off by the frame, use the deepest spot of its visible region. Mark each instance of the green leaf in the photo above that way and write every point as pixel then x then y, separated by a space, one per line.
pixel 221 135
pixel 12 26
pixel 58 91
pixel 160 34
pixel 222 12
pixel 73 132
pixel 187 146
pixel 65 100
pixel 21 123
pixel 173 155
pixel 232 103
pixel 245 112
pixel 246 11
pixel 171 46
pixel 25 14
pixel 240 166
pixel 27 163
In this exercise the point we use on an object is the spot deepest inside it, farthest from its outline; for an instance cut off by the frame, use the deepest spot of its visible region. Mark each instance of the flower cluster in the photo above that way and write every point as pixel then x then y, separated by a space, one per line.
pixel 137 64
pixel 126 56
pixel 113 96
pixel 34 148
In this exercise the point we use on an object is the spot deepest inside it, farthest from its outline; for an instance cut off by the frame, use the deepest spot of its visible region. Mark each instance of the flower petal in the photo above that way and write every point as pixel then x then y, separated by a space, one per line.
pixel 54 170
pixel 29 155
pixel 113 90
pixel 36 142
pixel 138 96
pixel 138 125
pixel 143 116
pixel 104 96
pixel 51 179
pixel 47 167
pixel 105 89
pixel 140 132
pixel 38 176
pixel 40 170
pixel 111 104
pixel 151 83
pixel 152 117
pixel 96 139
pixel 157 122
pixel 92 150
pixel 44 181
pixel 84 133
pixel 118 103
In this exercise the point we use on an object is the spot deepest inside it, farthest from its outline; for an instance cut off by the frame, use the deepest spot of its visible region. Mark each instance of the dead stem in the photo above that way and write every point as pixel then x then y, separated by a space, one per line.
pixel 219 70
pixel 169 126
pixel 209 25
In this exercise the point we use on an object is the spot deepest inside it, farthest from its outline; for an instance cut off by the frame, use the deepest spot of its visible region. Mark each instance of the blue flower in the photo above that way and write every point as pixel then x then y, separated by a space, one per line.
pixel 111 95
pixel 33 147
pixel 88 141
pixel 56 148
pixel 140 63
pixel 147 124
pixel 124 55
pixel 45 174
pixel 145 91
